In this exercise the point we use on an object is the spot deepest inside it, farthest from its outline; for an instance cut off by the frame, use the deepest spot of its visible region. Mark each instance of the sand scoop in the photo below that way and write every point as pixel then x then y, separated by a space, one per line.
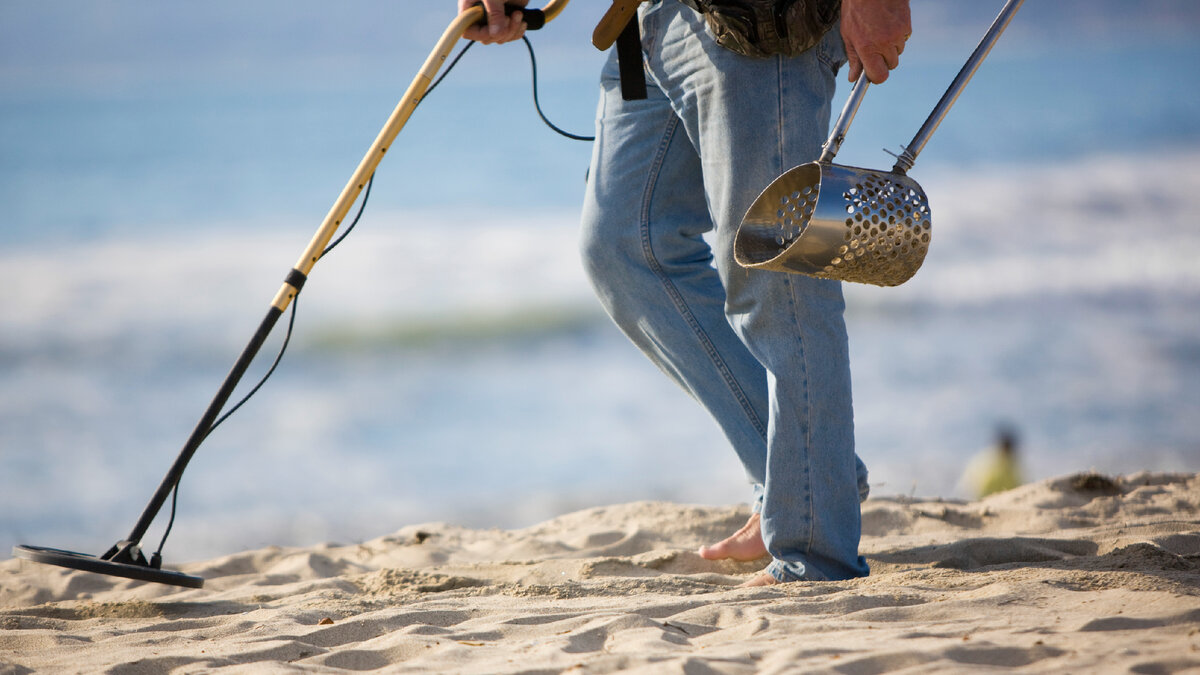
pixel 847 223
pixel 125 558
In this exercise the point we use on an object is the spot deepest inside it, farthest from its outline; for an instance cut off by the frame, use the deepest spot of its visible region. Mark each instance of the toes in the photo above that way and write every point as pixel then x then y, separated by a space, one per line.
pixel 760 579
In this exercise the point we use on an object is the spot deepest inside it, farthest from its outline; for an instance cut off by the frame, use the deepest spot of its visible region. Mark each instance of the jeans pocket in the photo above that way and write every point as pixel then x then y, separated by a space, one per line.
pixel 831 50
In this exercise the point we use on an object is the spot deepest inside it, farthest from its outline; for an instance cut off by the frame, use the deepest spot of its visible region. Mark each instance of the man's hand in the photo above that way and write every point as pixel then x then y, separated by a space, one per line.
pixel 500 28
pixel 874 32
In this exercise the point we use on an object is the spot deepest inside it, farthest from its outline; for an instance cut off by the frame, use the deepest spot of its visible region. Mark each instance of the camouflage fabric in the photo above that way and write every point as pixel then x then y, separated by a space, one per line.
pixel 763 28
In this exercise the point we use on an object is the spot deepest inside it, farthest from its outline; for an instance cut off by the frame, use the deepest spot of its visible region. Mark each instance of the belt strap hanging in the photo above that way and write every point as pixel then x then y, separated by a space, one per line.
pixel 629 58
pixel 620 24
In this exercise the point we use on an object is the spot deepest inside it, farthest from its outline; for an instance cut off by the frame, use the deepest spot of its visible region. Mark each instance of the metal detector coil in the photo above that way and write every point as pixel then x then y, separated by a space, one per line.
pixel 88 563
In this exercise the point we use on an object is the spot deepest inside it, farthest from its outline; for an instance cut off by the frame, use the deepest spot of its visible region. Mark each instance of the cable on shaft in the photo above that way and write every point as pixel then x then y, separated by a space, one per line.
pixel 157 556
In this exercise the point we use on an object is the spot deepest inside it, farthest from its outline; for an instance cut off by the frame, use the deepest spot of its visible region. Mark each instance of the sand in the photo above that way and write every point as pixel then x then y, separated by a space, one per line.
pixel 1082 574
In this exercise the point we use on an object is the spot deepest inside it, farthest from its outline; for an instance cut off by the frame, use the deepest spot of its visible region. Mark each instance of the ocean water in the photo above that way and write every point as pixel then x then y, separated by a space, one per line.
pixel 162 168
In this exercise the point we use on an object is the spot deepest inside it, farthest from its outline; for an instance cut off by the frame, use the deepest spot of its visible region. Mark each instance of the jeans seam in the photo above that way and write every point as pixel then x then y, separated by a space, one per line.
pixel 673 293
pixel 807 416
pixel 781 113
pixel 788 281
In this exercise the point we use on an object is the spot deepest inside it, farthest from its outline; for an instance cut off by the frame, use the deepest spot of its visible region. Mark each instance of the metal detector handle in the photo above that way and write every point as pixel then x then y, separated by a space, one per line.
pixel 838 135
pixel 905 161
pixel 399 117
pixel 613 22
pixel 534 19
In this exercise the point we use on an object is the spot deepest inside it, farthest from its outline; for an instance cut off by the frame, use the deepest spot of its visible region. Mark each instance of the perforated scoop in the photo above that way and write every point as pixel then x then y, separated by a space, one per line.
pixel 847 223
pixel 838 222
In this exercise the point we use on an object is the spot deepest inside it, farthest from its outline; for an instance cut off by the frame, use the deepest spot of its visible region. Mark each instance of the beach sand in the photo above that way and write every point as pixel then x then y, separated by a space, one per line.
pixel 1081 574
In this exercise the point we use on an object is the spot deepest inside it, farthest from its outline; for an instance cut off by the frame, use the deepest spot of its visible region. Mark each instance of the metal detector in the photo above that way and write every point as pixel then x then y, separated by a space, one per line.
pixel 125 558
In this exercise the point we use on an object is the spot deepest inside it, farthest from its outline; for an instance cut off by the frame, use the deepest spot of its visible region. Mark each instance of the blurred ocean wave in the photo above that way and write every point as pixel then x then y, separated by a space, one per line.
pixel 161 168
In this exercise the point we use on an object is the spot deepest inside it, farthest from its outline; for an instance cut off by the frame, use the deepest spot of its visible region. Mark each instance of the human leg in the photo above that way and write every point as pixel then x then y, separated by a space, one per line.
pixel 643 248
pixel 643 221
pixel 750 120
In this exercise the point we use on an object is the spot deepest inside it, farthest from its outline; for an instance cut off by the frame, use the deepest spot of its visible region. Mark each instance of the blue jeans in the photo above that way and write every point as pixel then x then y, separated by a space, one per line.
pixel 765 352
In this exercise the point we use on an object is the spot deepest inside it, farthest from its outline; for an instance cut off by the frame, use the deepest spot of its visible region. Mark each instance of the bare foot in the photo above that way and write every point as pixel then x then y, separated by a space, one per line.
pixel 760 579
pixel 745 544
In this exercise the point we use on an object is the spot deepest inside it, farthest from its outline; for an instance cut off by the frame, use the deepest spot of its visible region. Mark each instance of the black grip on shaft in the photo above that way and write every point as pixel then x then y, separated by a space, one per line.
pixel 534 18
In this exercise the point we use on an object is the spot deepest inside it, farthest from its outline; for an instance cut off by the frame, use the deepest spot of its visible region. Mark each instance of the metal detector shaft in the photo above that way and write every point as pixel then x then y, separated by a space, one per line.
pixel 127 551
pixel 905 161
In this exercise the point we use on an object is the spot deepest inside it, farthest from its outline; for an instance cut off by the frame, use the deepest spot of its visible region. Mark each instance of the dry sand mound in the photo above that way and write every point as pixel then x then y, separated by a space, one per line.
pixel 1080 574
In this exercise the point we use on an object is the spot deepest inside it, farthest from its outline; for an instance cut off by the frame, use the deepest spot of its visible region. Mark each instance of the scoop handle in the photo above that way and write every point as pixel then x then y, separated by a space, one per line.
pixel 838 134
pixel 905 161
